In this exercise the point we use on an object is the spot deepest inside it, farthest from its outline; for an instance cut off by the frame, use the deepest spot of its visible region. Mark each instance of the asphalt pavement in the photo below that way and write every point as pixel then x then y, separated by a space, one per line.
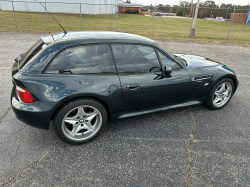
pixel 190 146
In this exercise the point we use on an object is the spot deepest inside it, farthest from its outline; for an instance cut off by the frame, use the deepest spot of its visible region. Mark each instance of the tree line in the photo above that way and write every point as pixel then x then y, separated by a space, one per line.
pixel 207 9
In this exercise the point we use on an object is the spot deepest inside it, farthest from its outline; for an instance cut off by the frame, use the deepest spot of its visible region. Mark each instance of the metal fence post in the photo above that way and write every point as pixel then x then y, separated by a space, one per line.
pixel 99 7
pixel 116 18
pixel 46 16
pixel 106 7
pixel 14 12
pixel 81 14
pixel 231 24
pixel 154 22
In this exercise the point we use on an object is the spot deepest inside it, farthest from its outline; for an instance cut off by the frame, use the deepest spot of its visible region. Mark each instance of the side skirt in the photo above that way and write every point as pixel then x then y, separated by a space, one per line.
pixel 136 113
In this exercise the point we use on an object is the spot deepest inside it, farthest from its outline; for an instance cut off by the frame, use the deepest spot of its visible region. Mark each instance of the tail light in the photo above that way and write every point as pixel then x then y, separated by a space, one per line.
pixel 24 95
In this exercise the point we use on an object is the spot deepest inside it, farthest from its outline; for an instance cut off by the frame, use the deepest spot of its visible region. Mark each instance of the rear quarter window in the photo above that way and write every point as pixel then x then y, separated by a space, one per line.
pixel 86 59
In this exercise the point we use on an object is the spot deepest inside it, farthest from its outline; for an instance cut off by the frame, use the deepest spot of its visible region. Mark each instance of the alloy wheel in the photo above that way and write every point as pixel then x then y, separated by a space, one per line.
pixel 222 94
pixel 81 122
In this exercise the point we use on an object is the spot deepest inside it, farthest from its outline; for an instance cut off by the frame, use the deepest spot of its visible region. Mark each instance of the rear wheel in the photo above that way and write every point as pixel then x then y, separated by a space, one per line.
pixel 80 121
pixel 220 94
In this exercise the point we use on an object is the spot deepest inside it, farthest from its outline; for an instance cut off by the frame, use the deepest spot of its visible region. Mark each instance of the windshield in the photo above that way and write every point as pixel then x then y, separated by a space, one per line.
pixel 32 52
pixel 171 55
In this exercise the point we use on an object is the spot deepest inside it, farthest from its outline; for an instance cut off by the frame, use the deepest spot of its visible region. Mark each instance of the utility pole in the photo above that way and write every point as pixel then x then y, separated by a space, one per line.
pixel 192 20
pixel 191 8
pixel 192 32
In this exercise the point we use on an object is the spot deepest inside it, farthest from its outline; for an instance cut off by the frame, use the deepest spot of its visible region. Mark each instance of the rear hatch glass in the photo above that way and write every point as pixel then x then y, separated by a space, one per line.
pixel 40 45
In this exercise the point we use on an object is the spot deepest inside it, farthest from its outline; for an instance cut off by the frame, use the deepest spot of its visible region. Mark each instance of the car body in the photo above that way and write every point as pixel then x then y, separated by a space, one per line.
pixel 219 19
pixel 157 14
pixel 126 74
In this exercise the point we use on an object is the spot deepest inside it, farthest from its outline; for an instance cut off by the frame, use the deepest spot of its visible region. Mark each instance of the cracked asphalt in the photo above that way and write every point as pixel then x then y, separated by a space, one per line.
pixel 190 146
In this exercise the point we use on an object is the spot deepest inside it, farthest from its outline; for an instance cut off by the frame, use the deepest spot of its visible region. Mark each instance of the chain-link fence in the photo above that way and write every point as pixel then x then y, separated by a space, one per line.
pixel 90 14
pixel 93 7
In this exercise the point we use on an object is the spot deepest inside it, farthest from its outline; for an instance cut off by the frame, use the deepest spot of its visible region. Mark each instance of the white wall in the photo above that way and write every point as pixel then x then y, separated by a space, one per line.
pixel 56 6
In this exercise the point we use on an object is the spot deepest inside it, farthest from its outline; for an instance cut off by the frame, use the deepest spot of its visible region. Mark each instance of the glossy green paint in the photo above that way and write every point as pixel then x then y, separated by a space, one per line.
pixel 157 91
pixel 136 113
pixel 37 114
pixel 201 66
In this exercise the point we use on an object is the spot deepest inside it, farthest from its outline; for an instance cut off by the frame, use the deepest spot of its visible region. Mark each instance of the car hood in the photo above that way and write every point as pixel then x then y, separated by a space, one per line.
pixel 194 61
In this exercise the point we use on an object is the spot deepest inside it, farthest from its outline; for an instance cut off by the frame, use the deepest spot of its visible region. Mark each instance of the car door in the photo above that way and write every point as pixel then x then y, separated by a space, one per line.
pixel 143 82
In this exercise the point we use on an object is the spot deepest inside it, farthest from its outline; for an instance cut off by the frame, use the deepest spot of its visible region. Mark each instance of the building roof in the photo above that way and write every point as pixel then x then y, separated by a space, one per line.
pixel 123 4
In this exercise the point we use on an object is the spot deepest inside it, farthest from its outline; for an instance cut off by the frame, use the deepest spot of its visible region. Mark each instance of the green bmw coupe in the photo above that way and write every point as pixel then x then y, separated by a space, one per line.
pixel 79 80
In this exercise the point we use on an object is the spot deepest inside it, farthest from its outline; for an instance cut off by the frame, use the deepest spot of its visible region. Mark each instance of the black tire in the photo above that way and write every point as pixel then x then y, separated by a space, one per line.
pixel 209 103
pixel 66 108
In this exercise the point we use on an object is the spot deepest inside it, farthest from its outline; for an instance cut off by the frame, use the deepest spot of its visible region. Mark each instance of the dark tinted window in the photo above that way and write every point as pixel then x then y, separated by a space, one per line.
pixel 135 58
pixel 83 59
pixel 37 47
pixel 167 61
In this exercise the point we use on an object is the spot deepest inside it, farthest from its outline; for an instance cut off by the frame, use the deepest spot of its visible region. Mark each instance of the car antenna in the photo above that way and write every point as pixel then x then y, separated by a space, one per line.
pixel 65 32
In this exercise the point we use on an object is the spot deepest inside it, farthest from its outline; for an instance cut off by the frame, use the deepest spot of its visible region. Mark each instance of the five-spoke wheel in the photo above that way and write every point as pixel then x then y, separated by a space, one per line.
pixel 220 94
pixel 80 121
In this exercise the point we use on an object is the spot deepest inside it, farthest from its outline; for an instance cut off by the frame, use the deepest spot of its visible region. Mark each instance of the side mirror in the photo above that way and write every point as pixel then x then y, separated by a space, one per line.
pixel 167 70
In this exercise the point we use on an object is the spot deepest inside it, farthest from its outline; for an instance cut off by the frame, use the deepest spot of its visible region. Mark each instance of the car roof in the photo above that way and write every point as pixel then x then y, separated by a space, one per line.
pixel 95 37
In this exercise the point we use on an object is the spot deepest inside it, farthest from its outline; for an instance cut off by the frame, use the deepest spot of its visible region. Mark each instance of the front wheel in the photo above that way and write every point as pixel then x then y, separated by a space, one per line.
pixel 221 94
pixel 80 121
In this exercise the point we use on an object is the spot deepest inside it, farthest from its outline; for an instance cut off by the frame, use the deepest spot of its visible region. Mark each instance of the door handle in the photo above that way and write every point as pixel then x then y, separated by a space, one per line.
pixel 133 86
pixel 201 78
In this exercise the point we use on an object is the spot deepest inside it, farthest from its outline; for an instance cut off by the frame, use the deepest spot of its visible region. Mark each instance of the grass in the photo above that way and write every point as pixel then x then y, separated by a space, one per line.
pixel 165 28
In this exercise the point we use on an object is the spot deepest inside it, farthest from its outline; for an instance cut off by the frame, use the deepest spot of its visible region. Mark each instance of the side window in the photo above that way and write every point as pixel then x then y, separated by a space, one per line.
pixel 83 59
pixel 135 58
pixel 166 61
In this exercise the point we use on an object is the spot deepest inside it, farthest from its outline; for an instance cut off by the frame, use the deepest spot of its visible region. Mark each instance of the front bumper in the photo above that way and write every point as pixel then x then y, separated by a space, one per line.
pixel 37 114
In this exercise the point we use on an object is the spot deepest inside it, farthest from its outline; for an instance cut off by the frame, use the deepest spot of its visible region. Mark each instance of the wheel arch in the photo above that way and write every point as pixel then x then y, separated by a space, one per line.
pixel 233 78
pixel 66 101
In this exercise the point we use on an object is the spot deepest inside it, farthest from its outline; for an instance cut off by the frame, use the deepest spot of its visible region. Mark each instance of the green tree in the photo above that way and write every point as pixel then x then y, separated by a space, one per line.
pixel 161 7
pixel 180 13
pixel 186 11
pixel 174 9
pixel 185 4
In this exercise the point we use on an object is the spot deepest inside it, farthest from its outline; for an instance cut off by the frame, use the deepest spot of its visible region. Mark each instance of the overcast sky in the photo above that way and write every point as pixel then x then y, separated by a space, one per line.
pixel 175 2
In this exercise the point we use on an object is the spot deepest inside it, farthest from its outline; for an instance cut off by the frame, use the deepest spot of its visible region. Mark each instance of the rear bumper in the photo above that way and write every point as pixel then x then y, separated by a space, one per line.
pixel 37 114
